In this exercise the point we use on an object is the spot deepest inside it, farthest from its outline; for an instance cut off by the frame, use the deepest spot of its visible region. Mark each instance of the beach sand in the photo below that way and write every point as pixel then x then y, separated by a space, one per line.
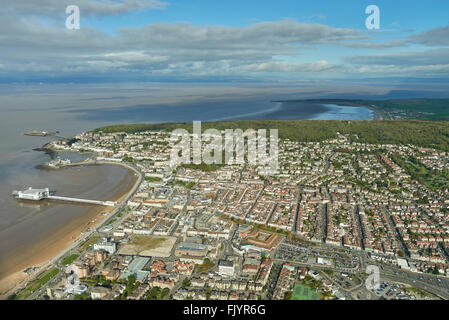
pixel 59 239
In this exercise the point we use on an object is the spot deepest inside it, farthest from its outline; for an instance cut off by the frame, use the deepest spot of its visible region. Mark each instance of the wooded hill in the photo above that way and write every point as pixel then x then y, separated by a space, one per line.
pixel 434 134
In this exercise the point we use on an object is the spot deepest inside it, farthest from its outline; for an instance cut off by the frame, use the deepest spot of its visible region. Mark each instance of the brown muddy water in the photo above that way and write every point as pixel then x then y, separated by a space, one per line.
pixel 32 232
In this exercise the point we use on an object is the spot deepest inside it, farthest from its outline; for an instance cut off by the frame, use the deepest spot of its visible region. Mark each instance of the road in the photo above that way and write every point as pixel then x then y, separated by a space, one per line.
pixel 75 245
pixel 436 285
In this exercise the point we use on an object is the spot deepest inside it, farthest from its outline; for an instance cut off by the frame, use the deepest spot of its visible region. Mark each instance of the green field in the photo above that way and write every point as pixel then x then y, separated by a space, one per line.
pixel 69 259
pixel 304 293
pixel 90 242
pixel 206 265
pixel 37 284
pixel 153 179
pixel 144 243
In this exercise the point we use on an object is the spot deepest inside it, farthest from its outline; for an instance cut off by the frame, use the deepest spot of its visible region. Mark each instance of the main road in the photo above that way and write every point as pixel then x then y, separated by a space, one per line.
pixel 56 260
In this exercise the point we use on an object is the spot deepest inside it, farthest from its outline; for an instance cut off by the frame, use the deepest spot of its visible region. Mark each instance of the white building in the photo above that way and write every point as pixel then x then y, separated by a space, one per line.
pixel 226 268
pixel 403 264
pixel 32 194
pixel 105 245
pixel 76 289
pixel 320 260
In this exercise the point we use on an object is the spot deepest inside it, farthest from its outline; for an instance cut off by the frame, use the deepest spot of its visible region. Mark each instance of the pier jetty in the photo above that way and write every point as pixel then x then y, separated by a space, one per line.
pixel 42 194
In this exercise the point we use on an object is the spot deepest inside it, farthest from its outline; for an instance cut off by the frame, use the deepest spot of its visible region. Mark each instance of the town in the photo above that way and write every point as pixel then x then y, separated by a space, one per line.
pixel 229 232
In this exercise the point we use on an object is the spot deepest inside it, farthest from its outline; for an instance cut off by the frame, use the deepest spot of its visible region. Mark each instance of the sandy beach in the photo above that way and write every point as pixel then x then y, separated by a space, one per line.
pixel 58 239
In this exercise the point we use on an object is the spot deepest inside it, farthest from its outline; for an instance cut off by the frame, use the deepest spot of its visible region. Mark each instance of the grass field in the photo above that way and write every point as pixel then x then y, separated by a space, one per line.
pixel 418 291
pixel 206 265
pixel 144 243
pixel 304 293
pixel 148 246
pixel 90 242
pixel 69 259
pixel 153 179
pixel 36 284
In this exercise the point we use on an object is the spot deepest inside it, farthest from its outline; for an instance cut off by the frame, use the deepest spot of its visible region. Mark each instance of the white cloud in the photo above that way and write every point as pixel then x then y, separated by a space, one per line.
pixel 167 48
pixel 388 70
pixel 56 8
pixel 409 58
pixel 433 37
pixel 30 46
pixel 279 66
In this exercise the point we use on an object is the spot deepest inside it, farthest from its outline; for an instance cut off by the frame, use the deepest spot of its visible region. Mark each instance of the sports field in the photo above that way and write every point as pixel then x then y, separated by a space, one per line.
pixel 304 293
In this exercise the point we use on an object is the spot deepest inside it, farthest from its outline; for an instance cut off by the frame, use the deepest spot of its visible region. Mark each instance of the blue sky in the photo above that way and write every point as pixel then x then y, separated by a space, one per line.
pixel 208 40
pixel 395 15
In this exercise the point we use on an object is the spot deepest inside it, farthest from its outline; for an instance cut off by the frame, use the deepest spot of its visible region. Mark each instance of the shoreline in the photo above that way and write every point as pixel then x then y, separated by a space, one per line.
pixel 58 241
pixel 378 114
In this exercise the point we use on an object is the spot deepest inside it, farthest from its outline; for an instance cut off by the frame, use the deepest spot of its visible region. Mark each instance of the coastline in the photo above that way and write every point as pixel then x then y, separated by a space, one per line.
pixel 61 239
pixel 378 114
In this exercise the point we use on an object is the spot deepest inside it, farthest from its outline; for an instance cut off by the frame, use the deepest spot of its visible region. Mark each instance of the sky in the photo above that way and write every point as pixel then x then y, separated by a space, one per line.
pixel 223 41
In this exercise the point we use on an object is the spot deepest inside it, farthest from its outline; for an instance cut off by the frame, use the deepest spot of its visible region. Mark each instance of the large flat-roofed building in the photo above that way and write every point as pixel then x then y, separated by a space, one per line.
pixel 104 244
pixel 226 268
pixel 136 268
pixel 191 249
pixel 32 194
pixel 261 239
pixel 403 264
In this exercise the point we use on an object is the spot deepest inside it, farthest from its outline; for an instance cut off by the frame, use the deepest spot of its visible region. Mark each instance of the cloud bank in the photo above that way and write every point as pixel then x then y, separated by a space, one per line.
pixel 35 46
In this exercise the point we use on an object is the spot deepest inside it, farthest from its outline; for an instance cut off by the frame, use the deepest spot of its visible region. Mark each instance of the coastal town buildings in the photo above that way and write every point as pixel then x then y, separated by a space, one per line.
pixel 228 232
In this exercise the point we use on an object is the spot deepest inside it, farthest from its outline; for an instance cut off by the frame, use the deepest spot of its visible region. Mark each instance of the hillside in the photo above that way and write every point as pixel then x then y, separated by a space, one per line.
pixel 433 134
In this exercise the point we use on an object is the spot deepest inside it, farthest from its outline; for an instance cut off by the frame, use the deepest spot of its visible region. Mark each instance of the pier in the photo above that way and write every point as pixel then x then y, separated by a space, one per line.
pixel 42 194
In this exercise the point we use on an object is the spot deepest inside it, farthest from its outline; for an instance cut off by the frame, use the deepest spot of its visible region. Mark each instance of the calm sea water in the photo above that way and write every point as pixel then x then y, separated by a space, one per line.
pixel 20 223
pixel 259 110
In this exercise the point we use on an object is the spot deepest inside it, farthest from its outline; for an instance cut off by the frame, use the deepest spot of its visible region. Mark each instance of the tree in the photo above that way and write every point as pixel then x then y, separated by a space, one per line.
pixel 154 293
pixel 164 293
pixel 186 283
pixel 288 295
pixel 131 280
